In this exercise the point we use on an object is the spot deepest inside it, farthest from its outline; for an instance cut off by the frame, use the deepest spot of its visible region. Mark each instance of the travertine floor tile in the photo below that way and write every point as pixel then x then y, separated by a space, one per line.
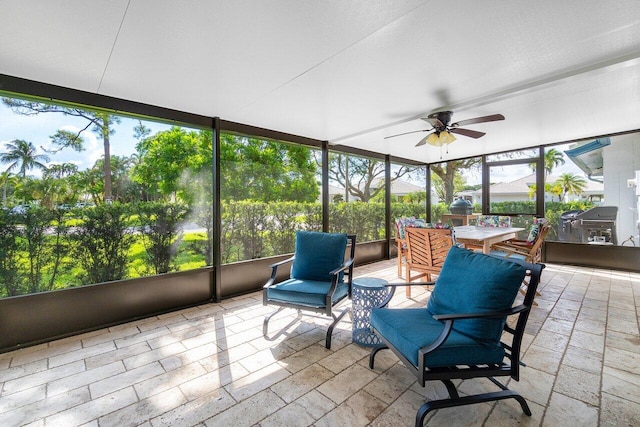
pixel 210 366
pixel 359 410
pixel 619 412
pixel 563 410
pixel 249 411
pixel 301 382
pixel 346 383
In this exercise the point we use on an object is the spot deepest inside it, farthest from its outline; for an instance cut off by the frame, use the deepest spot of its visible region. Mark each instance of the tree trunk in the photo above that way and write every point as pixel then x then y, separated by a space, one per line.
pixel 107 159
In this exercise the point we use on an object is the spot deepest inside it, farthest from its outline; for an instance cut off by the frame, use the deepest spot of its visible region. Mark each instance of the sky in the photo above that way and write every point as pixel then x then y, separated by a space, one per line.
pixel 38 129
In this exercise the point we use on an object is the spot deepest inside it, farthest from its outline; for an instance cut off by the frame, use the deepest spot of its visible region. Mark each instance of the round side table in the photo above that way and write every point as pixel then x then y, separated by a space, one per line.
pixel 367 293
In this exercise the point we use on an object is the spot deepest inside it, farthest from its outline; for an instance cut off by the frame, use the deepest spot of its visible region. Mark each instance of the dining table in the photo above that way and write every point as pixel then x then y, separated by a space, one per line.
pixel 484 236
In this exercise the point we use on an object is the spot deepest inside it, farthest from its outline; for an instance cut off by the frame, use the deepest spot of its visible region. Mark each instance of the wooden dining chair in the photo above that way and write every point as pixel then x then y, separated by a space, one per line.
pixel 427 249
pixel 529 250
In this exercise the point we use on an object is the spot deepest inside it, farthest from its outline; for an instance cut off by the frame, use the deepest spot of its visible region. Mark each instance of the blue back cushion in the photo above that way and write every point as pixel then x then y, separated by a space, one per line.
pixel 472 282
pixel 317 254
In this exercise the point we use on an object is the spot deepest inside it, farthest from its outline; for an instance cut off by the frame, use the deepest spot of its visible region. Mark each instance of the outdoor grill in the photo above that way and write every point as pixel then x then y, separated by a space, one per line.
pixel 461 207
pixel 596 225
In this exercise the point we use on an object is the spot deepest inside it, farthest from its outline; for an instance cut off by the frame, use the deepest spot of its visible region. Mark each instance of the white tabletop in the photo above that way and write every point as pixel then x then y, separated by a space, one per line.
pixel 485 236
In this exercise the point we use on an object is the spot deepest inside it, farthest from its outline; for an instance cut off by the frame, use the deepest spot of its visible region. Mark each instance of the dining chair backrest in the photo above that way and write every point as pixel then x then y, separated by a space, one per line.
pixel 427 249
pixel 493 221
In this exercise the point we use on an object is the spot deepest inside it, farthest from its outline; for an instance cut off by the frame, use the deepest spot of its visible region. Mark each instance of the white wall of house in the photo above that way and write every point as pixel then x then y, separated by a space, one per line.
pixel 621 160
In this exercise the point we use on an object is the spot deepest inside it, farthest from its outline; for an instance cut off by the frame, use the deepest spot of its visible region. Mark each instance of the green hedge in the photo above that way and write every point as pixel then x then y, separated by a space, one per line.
pixel 43 249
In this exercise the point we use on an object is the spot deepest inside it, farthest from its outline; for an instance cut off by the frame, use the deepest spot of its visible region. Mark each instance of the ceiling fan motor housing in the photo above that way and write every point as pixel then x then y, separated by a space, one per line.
pixel 444 117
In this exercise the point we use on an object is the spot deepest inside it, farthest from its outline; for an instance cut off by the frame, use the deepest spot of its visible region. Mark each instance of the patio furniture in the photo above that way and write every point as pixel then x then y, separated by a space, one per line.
pixel 320 278
pixel 481 238
pixel 494 221
pixel 427 249
pixel 529 250
pixel 463 333
pixel 401 240
pixel 368 293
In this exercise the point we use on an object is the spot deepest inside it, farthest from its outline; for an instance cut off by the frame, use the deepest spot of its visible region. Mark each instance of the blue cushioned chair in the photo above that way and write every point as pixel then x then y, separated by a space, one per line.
pixel 320 277
pixel 460 333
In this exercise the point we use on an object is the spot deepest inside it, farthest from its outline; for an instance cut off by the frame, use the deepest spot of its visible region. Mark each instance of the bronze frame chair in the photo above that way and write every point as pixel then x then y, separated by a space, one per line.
pixel 508 368
pixel 330 300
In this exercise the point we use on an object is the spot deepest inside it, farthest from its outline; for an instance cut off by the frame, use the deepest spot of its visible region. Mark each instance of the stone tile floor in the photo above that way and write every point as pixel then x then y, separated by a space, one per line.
pixel 210 366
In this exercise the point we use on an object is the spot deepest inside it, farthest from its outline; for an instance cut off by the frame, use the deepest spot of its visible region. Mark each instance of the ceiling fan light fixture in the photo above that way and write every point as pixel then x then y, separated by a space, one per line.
pixel 438 139
pixel 446 137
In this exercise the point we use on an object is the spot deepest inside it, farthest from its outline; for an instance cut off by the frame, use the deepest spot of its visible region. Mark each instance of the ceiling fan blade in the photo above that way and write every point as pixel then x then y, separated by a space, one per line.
pixel 422 141
pixel 433 122
pixel 406 133
pixel 483 119
pixel 467 132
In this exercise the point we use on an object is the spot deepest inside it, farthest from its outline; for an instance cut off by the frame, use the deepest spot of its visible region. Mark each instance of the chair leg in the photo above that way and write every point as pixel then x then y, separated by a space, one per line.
pixel 265 324
pixel 335 322
pixel 469 400
pixel 373 353
pixel 451 389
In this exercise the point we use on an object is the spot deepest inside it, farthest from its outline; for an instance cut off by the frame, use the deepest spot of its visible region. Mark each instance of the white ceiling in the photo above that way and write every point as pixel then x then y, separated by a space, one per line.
pixel 350 72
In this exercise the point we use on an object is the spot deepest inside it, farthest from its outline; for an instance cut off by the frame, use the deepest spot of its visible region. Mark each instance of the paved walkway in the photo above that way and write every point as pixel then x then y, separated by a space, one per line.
pixel 210 366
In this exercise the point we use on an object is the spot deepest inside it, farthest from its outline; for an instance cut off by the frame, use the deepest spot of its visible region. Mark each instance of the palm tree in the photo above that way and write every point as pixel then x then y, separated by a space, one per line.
pixel 552 159
pixel 102 124
pixel 571 184
pixel 22 155
pixel 6 179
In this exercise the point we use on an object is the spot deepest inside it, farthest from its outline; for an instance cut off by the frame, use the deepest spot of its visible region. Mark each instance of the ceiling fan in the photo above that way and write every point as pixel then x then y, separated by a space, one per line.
pixel 442 130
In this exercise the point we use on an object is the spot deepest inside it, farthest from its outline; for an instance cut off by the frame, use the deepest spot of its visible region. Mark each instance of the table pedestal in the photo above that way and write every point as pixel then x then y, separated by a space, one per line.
pixel 367 293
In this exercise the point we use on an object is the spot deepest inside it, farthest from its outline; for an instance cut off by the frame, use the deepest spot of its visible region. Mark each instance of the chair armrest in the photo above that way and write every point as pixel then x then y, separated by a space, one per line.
pixel 449 319
pixel 485 315
pixel 344 266
pixel 284 261
pixel 514 249
pixel 274 271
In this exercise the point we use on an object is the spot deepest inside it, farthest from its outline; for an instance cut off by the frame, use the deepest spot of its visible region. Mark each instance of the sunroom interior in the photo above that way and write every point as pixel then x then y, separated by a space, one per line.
pixel 259 119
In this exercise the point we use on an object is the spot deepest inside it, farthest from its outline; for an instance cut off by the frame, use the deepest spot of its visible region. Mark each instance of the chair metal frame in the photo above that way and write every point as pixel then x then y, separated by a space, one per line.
pixel 427 249
pixel 330 303
pixel 510 368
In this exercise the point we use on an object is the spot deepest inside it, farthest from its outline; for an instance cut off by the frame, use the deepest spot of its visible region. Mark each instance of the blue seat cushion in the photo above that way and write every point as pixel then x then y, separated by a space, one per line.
pixel 472 282
pixel 307 292
pixel 317 254
pixel 409 329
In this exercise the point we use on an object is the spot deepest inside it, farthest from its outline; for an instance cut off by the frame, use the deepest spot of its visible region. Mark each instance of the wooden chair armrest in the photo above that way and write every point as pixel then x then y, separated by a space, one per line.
pixel 512 249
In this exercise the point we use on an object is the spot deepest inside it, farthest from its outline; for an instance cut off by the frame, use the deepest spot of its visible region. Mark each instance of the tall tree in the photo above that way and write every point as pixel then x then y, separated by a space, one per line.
pixel 6 179
pixel 101 124
pixel 571 184
pixel 263 170
pixel 447 172
pixel 438 185
pixel 361 177
pixel 22 155
pixel 61 170
pixel 552 159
